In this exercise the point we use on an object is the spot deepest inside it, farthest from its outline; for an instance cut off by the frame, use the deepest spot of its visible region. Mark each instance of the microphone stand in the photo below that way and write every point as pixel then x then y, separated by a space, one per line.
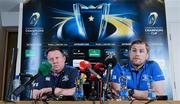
pixel 106 89
pixel 93 95
pixel 22 87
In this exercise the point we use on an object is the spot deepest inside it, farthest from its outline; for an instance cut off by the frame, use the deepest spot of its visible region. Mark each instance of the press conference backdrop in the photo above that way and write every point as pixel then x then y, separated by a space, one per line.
pixel 91 30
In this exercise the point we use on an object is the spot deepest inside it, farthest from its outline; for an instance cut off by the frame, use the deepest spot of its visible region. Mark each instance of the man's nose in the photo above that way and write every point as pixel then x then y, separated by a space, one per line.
pixel 137 53
pixel 54 61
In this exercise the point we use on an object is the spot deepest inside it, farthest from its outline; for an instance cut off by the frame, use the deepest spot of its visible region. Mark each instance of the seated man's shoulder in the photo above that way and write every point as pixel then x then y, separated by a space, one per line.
pixel 151 62
pixel 125 66
pixel 70 68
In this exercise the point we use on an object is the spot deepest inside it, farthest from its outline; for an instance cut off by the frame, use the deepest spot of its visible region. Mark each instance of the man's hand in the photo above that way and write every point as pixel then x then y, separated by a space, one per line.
pixel 42 93
pixel 67 92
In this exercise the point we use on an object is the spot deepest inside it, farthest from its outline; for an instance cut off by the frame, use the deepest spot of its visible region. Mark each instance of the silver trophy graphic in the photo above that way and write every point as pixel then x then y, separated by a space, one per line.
pixel 91 20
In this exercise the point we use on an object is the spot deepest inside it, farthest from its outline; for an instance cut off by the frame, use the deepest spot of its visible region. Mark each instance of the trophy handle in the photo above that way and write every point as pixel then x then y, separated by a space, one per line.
pixel 80 24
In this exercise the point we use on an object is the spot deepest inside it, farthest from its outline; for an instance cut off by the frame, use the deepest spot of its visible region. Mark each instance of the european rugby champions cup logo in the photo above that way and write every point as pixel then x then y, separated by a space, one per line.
pixel 91 20
pixel 33 24
pixel 152 18
pixel 34 19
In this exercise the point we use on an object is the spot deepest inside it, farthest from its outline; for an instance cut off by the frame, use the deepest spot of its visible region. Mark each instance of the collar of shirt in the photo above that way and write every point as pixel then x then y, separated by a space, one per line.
pixel 131 68
pixel 57 74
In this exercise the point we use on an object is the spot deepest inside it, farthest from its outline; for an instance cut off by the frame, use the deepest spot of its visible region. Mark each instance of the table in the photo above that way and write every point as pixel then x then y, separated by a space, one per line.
pixel 92 102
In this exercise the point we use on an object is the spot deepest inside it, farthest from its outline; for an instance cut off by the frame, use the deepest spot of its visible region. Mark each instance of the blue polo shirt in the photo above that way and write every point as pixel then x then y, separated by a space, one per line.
pixel 65 79
pixel 138 79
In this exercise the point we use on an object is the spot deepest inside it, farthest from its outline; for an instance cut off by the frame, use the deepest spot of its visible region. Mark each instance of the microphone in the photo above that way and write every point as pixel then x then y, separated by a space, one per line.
pixel 25 75
pixel 99 67
pixel 44 69
pixel 110 61
pixel 86 65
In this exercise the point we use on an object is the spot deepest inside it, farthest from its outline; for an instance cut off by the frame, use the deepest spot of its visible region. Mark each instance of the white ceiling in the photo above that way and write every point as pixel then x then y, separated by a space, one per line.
pixel 9 5
pixel 13 5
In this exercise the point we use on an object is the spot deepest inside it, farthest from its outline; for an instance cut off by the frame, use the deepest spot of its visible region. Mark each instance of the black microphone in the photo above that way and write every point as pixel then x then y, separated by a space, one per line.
pixel 110 61
pixel 25 75
pixel 44 69
pixel 87 65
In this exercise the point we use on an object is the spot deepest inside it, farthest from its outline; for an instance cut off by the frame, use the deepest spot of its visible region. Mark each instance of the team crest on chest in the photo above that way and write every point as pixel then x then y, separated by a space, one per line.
pixel 145 77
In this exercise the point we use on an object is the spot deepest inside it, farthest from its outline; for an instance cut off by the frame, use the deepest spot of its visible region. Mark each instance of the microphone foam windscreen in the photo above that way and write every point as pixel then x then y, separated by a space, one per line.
pixel 45 68
pixel 84 65
pixel 110 60
pixel 99 66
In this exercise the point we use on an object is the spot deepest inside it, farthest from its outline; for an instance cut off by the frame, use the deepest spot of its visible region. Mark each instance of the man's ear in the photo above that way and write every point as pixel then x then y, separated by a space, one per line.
pixel 129 52
pixel 147 57
pixel 64 58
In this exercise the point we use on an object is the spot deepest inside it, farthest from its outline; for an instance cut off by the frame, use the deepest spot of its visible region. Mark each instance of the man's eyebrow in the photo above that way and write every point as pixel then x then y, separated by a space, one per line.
pixel 133 48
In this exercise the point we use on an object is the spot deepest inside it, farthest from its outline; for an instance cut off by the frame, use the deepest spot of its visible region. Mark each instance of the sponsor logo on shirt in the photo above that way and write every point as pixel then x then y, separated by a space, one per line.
pixel 114 77
pixel 65 78
pixel 35 84
pixel 128 77
pixel 48 79
pixel 145 77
